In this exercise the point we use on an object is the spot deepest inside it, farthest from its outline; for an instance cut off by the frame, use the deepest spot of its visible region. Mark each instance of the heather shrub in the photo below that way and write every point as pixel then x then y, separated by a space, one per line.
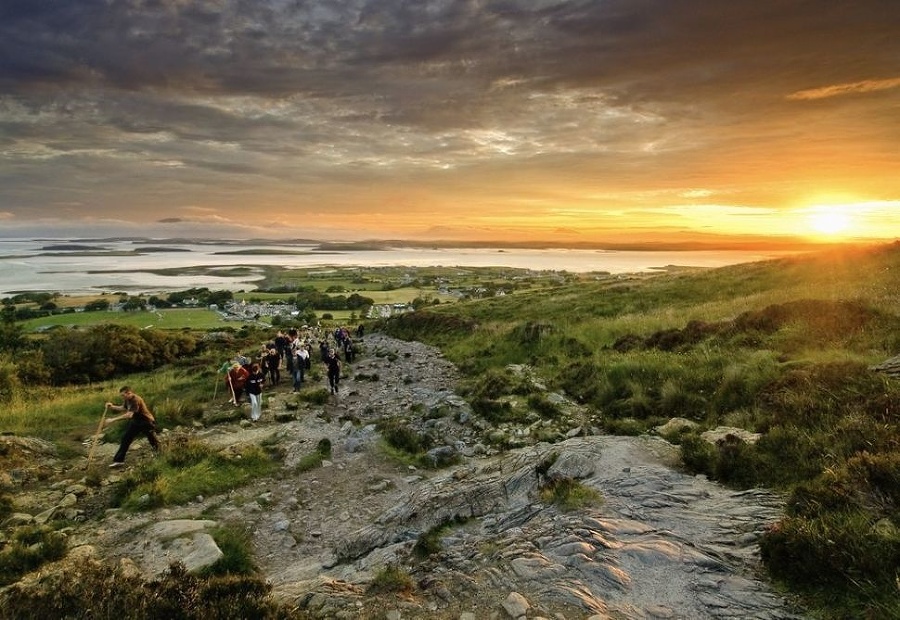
pixel 391 579
pixel 569 494
pixel 94 591
pixel 401 436
pixel 30 547
pixel 235 542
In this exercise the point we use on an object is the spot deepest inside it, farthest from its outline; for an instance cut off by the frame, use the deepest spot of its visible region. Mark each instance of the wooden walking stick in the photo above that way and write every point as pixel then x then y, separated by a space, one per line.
pixel 231 387
pixel 97 436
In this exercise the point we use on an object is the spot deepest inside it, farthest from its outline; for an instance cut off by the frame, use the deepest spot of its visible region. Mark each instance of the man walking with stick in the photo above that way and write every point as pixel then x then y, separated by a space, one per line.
pixel 141 422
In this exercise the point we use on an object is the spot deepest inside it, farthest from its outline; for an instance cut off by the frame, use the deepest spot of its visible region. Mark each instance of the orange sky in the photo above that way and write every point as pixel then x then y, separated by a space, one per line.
pixel 570 121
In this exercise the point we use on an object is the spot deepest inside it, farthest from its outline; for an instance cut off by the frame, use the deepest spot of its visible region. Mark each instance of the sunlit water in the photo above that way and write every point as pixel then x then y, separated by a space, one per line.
pixel 26 266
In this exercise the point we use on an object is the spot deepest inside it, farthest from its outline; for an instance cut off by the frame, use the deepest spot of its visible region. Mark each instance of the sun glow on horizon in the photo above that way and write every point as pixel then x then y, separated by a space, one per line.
pixel 831 220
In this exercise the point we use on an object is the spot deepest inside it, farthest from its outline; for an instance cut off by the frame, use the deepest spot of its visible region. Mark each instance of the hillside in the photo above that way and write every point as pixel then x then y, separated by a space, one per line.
pixel 785 349
pixel 668 445
pixel 659 542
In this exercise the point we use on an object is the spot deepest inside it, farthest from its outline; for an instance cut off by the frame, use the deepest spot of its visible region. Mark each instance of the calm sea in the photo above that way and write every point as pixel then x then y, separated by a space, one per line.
pixel 33 265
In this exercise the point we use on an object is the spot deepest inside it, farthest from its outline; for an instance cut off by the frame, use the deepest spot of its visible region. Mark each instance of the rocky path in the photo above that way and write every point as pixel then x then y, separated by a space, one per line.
pixel 661 544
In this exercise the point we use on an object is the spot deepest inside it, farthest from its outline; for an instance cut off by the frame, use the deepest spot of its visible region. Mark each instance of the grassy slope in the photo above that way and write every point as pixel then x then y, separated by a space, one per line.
pixel 779 347
pixel 830 426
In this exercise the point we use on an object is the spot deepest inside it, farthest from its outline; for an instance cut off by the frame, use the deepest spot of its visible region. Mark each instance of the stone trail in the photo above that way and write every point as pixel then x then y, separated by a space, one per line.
pixel 661 544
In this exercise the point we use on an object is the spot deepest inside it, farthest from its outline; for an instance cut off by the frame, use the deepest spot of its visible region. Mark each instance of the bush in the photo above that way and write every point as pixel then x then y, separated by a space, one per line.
pixel 840 551
pixel 95 590
pixel 492 385
pixel 569 494
pixel 678 400
pixel 698 454
pixel 10 385
pixel 429 543
pixel 6 506
pixel 818 395
pixel 543 406
pixel 628 427
pixel 401 436
pixel 736 463
pixel 236 546
pixel 29 548
pixel 494 411
pixel 105 351
pixel 391 579
pixel 317 396
pixel 323 447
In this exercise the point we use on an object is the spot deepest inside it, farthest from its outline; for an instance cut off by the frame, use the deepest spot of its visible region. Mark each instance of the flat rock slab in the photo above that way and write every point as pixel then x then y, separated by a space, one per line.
pixel 186 541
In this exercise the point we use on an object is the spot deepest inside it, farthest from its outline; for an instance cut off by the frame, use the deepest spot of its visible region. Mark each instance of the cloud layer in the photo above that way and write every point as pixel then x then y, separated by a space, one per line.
pixel 394 118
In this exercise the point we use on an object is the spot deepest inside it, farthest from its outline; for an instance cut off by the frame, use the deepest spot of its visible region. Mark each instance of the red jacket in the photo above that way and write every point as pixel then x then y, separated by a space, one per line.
pixel 237 377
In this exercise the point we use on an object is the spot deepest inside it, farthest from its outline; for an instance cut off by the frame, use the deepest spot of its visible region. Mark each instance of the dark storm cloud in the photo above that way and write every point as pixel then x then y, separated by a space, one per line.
pixel 425 52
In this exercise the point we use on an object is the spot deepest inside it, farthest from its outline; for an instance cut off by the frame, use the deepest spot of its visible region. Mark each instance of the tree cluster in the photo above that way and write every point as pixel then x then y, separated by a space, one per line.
pixel 98 353
pixel 309 298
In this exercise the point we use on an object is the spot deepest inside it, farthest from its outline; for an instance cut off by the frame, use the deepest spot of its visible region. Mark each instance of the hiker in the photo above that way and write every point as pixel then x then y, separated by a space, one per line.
pixel 360 331
pixel 281 345
pixel 333 363
pixel 301 363
pixel 255 383
pixel 348 350
pixel 271 361
pixel 141 422
pixel 236 378
pixel 289 353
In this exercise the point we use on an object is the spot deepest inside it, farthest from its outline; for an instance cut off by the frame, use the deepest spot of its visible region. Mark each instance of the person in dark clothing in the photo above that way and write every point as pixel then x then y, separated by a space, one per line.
pixel 333 364
pixel 301 361
pixel 255 383
pixel 281 345
pixel 348 350
pixel 290 357
pixel 271 361
pixel 141 422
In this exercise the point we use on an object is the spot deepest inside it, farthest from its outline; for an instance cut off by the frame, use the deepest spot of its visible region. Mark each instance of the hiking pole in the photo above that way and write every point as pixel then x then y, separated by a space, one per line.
pixel 97 436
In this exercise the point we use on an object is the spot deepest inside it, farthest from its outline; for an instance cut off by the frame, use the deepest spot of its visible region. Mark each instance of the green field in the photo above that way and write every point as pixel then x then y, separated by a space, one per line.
pixel 384 285
pixel 171 318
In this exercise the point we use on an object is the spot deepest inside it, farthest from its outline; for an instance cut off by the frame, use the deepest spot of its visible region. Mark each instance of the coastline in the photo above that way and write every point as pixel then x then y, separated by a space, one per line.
pixel 96 266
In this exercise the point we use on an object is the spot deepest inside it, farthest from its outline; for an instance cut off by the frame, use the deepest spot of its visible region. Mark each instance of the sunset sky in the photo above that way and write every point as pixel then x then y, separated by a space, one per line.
pixel 580 120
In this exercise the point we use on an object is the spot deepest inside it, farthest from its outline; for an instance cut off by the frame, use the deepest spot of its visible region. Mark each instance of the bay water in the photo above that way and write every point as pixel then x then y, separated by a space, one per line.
pixel 89 266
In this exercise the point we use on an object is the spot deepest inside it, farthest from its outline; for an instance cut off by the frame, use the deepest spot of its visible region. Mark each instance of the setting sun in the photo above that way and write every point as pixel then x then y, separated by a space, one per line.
pixel 829 220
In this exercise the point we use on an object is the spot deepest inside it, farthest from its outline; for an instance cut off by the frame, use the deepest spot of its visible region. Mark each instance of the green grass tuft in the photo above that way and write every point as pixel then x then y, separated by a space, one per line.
pixel 391 579
pixel 569 494
pixel 187 470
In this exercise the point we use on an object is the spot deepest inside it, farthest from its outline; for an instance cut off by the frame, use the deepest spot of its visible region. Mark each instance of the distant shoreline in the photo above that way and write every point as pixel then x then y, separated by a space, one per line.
pixel 318 245
pixel 155 265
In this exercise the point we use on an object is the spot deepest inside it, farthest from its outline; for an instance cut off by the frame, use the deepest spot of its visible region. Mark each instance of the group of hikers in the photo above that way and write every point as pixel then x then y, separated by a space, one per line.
pixel 245 374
